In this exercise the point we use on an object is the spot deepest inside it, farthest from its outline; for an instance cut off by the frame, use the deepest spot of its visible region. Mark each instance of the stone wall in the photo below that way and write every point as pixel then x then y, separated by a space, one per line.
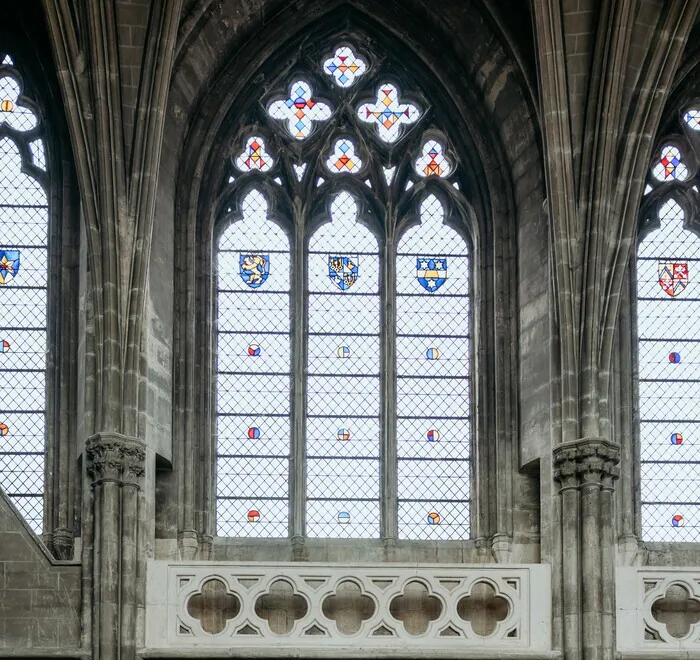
pixel 39 596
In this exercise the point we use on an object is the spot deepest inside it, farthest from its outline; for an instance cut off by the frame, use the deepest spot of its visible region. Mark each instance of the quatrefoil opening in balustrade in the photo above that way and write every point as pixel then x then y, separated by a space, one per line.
pixel 213 606
pixel 415 608
pixel 348 607
pixel 281 607
pixel 483 609
pixel 677 610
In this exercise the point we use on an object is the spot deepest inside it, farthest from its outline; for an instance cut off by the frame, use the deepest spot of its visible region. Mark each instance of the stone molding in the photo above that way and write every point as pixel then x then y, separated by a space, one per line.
pixel 115 457
pixel 587 461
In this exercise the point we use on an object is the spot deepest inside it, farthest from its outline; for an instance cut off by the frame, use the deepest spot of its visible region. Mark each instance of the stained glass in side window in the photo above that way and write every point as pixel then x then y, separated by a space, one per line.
pixel 343 378
pixel 23 282
pixel 12 112
pixel 432 344
pixel 254 156
pixel 253 375
pixel 692 118
pixel 668 291
pixel 344 158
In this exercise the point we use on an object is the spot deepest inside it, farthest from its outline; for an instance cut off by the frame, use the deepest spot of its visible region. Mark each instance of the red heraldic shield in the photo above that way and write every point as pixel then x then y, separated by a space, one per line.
pixel 673 277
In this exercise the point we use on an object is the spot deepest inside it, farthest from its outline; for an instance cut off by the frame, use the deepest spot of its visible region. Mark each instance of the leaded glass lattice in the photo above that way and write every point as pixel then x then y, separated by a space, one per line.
pixel 668 289
pixel 433 426
pixel 342 435
pixel 253 358
pixel 337 153
pixel 23 284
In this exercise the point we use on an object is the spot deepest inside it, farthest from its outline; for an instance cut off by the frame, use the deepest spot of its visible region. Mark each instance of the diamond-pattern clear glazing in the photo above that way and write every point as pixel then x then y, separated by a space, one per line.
pixel 433 427
pixel 668 290
pixel 23 281
pixel 342 432
pixel 253 375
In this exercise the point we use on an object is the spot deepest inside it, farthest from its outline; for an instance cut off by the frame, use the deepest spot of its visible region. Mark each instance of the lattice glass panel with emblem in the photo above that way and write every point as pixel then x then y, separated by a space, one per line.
pixel 343 377
pixel 23 297
pixel 668 288
pixel 253 375
pixel 433 417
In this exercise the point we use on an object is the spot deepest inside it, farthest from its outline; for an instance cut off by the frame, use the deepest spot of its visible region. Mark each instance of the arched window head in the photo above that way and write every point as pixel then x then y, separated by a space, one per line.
pixel 23 298
pixel 668 294
pixel 343 397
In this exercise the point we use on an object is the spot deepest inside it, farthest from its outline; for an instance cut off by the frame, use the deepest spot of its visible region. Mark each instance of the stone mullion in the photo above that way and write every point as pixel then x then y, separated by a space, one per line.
pixel 388 454
pixel 607 562
pixel 299 308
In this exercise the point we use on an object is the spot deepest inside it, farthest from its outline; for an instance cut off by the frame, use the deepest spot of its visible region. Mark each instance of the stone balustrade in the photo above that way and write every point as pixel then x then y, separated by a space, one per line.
pixel 437 609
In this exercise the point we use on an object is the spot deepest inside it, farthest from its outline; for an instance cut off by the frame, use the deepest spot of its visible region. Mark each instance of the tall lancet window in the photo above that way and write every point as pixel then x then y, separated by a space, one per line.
pixel 342 429
pixel 433 432
pixel 343 361
pixel 668 290
pixel 23 284
pixel 253 375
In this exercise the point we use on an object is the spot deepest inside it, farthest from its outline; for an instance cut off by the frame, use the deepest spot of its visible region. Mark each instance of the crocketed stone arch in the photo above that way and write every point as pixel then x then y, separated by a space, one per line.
pixel 492 184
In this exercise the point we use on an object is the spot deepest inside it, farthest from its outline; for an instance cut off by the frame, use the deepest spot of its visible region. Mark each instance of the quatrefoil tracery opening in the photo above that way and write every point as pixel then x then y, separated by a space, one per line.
pixel 415 608
pixel 281 607
pixel 213 606
pixel 348 607
pixel 677 609
pixel 483 609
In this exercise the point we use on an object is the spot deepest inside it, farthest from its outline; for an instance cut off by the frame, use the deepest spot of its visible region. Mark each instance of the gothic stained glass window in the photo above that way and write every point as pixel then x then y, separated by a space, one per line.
pixel 23 284
pixel 433 428
pixel 668 290
pixel 336 140
pixel 343 377
pixel 253 371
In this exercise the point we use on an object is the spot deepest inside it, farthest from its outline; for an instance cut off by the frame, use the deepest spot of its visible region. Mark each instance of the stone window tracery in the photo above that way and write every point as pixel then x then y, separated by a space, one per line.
pixel 343 403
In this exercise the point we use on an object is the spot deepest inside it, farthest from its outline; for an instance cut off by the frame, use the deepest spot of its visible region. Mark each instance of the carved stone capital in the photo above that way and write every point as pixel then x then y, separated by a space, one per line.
pixel 115 457
pixel 587 461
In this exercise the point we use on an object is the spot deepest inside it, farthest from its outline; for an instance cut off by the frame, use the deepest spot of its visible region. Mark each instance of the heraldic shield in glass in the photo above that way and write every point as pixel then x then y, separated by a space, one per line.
pixel 431 272
pixel 673 277
pixel 9 265
pixel 254 269
pixel 343 271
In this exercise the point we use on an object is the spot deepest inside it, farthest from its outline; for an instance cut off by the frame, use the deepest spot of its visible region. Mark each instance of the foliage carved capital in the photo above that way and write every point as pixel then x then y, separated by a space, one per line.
pixel 587 461
pixel 115 457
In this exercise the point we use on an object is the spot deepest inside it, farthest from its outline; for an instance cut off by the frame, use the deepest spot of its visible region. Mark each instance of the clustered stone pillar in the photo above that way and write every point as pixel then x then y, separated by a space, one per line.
pixel 117 465
pixel 585 470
